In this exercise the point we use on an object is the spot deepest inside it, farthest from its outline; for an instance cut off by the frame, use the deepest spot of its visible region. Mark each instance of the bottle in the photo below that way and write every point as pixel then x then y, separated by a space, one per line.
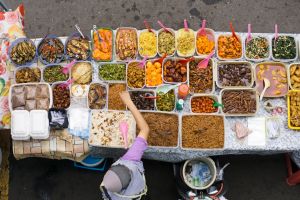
pixel 183 91
pixel 180 104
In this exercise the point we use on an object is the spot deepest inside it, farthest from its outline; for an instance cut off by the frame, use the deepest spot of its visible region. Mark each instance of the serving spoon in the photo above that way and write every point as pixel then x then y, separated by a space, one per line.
pixel 267 84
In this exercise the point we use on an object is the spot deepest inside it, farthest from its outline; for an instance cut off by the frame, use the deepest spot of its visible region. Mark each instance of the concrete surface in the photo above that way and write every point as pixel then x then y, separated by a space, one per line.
pixel 249 177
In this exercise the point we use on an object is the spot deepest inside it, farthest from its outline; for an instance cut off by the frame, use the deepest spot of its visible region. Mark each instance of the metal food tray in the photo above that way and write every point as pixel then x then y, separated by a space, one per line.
pixel 87 96
pixel 97 66
pixel 112 45
pixel 174 59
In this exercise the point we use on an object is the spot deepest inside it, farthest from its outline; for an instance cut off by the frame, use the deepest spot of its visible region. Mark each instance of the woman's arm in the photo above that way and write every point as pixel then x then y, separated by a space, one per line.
pixel 142 124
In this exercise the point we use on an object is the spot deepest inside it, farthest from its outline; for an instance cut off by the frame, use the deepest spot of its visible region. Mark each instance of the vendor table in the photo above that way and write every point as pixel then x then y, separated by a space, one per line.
pixel 287 141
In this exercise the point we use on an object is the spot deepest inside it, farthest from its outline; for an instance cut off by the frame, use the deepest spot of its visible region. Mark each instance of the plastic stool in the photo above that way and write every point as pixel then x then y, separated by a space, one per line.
pixel 293 178
pixel 92 163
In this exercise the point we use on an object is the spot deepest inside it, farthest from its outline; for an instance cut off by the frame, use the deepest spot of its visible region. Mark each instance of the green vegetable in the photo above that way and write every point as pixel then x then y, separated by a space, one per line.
pixel 165 102
pixel 257 48
pixel 284 47
pixel 110 72
pixel 54 73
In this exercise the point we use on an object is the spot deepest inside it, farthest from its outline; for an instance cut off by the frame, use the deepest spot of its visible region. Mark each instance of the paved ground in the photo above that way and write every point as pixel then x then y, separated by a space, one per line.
pixel 249 177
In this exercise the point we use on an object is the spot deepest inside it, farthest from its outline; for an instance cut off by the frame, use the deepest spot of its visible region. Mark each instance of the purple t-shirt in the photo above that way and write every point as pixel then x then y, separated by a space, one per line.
pixel 136 151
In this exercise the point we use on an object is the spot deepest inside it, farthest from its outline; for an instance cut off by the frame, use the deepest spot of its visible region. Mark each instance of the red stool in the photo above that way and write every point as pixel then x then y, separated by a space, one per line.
pixel 293 178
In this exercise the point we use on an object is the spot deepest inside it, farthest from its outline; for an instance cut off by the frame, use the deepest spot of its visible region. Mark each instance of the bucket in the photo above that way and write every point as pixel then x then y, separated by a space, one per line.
pixel 211 165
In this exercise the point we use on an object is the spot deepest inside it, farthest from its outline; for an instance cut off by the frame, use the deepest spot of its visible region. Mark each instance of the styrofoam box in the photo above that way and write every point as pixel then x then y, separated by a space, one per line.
pixel 20 125
pixel 39 124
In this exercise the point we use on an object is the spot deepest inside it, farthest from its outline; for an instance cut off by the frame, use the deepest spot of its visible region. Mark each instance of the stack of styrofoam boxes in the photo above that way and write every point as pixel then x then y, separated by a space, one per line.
pixel 27 124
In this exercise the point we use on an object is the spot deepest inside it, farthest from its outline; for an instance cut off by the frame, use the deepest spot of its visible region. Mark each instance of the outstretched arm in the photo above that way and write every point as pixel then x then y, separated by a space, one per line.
pixel 142 124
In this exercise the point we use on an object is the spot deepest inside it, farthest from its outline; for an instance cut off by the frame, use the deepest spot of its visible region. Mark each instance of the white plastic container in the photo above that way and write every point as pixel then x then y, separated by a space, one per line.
pixel 229 34
pixel 241 114
pixel 39 124
pixel 114 62
pixel 104 85
pixel 211 35
pixel 214 97
pixel 144 69
pixel 25 84
pixel 173 32
pixel 20 125
pixel 256 35
pixel 234 63
pixel 178 52
pixel 285 60
pixel 117 58
pixel 152 61
pixel 139 35
pixel 213 75
pixel 174 59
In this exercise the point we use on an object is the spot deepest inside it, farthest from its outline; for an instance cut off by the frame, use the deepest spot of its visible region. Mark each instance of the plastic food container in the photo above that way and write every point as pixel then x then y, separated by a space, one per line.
pixel 155 103
pixel 152 61
pixel 174 59
pixel 229 34
pixel 179 128
pixel 286 60
pixel 242 114
pixel 145 91
pixel 234 63
pixel 178 52
pixel 25 84
pixel 106 99
pixel 17 41
pixel 112 45
pixel 31 67
pixel 115 45
pixel 53 65
pixel 50 36
pixel 200 114
pixel 173 32
pixel 20 125
pixel 155 33
pixel 289 112
pixel 112 63
pixel 213 75
pixel 91 67
pixel 214 97
pixel 94 138
pixel 57 84
pixel 256 35
pixel 135 61
pixel 211 35
pixel 289 74
pixel 272 63
pixel 39 124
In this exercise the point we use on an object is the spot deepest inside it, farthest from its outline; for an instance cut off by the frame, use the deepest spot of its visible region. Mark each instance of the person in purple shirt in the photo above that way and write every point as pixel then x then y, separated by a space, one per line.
pixel 125 179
